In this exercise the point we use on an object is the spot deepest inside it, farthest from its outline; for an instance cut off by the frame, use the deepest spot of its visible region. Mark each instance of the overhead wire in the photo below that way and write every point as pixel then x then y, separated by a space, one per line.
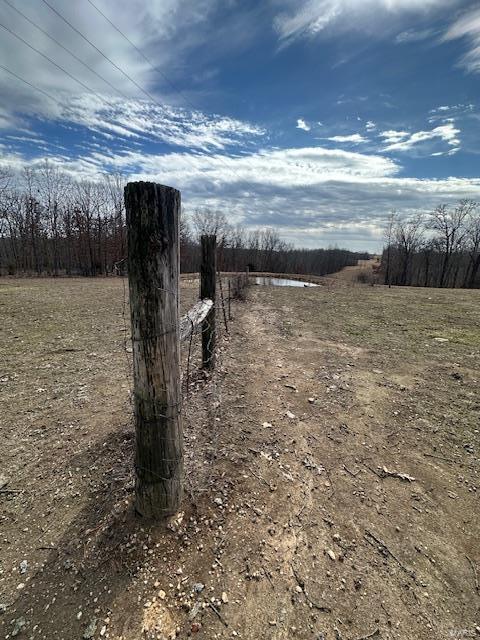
pixel 116 66
pixel 15 75
pixel 141 53
pixel 57 42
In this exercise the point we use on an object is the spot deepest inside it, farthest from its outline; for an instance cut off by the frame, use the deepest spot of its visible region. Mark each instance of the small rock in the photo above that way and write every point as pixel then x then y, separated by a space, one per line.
pixel 224 598
pixel 3 607
pixel 311 400
pixel 19 624
pixel 290 415
pixel 90 629
pixel 218 501
pixel 196 626
pixel 194 610
pixel 298 589
pixel 198 587
pixel 162 595
pixel 330 554
pixel 23 566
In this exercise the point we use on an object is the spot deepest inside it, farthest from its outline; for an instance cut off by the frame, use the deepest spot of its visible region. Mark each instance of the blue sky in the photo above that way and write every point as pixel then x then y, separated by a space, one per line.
pixel 317 117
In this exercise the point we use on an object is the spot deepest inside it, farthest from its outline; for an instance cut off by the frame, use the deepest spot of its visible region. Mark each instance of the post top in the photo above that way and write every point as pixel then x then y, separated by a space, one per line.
pixel 144 184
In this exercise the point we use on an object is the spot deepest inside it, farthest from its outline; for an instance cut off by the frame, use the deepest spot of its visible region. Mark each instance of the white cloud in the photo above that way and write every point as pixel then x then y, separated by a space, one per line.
pixel 392 136
pixel 354 138
pixel 404 141
pixel 312 195
pixel 468 27
pixel 370 126
pixel 411 35
pixel 165 30
pixel 143 120
pixel 301 124
pixel 311 17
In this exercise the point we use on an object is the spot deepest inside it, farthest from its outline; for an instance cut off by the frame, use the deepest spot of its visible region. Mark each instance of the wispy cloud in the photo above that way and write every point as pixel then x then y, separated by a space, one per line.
pixel 468 27
pixel 404 141
pixel 301 124
pixel 298 18
pixel 412 35
pixel 331 191
pixel 173 125
pixel 354 138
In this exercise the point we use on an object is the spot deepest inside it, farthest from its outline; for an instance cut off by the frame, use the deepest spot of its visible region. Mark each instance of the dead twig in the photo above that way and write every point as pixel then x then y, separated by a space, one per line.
pixel 259 477
pixel 372 540
pixel 354 475
pixel 217 613
pixel 370 635
pixel 430 455
pixel 268 576
pixel 475 574
pixel 301 584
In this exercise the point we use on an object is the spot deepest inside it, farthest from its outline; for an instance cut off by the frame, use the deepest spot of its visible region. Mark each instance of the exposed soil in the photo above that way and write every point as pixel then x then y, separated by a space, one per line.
pixel 332 470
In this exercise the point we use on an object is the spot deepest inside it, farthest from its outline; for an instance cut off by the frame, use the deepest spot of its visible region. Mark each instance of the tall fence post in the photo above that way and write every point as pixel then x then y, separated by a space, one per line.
pixel 153 275
pixel 208 270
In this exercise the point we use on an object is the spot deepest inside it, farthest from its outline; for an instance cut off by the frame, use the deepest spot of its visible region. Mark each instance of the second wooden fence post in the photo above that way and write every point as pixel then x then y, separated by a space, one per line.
pixel 153 276
pixel 208 271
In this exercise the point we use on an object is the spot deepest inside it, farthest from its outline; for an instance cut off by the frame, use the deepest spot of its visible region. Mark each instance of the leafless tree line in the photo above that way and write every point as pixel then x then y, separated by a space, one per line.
pixel 438 249
pixel 51 224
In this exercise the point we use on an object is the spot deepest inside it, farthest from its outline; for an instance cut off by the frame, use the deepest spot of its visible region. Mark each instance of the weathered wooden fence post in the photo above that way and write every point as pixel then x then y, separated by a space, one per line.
pixel 153 274
pixel 208 270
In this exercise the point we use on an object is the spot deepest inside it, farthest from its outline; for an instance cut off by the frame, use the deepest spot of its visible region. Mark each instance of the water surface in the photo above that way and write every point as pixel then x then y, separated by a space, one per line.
pixel 281 282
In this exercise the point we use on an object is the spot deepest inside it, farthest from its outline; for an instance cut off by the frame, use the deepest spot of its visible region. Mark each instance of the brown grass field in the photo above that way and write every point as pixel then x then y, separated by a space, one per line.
pixel 332 469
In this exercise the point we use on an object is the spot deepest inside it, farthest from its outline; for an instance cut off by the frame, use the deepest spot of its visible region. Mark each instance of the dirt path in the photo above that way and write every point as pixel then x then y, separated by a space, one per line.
pixel 295 524
pixel 350 274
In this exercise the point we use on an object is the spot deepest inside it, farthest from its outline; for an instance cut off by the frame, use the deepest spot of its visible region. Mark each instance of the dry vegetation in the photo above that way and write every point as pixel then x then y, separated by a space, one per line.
pixel 332 470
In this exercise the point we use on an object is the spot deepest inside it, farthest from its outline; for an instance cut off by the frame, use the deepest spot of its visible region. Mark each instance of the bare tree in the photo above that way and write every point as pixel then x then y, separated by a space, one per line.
pixel 389 239
pixel 450 224
pixel 473 248
pixel 408 236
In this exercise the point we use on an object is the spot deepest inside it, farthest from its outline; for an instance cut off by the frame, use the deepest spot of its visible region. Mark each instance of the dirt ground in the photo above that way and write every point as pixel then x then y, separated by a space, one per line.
pixel 332 470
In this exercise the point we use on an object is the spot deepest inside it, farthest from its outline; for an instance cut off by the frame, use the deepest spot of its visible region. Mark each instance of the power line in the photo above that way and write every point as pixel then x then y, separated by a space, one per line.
pixel 102 53
pixel 52 61
pixel 15 75
pixel 155 68
pixel 140 52
pixel 149 95
pixel 65 49
pixel 85 86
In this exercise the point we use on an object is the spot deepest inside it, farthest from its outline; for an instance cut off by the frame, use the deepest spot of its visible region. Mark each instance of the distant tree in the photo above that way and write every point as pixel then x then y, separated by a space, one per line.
pixel 389 240
pixel 473 247
pixel 450 225
pixel 408 236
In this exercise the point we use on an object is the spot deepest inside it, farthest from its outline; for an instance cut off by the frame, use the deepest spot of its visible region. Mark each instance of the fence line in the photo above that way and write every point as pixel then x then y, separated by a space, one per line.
pixel 157 332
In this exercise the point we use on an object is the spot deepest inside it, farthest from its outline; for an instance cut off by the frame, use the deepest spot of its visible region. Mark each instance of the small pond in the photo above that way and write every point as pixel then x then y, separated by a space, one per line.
pixel 281 282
